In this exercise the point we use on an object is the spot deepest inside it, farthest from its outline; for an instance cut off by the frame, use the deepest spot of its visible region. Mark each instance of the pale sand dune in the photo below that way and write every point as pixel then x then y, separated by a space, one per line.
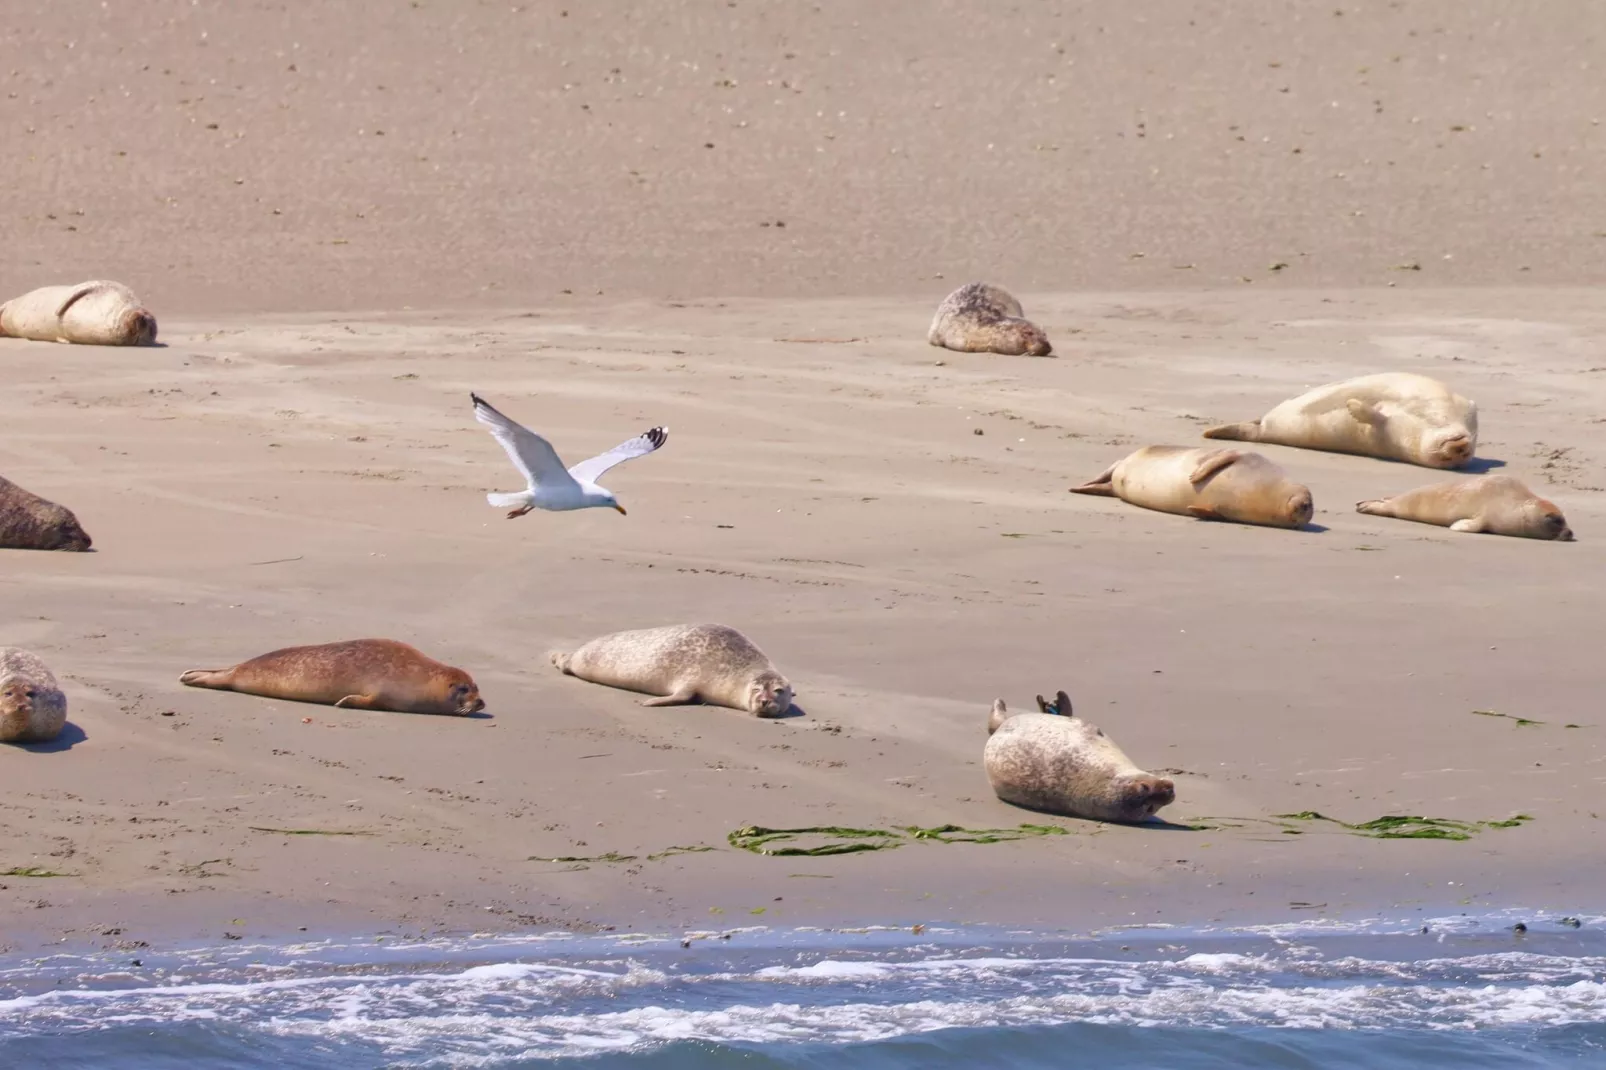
pixel 280 479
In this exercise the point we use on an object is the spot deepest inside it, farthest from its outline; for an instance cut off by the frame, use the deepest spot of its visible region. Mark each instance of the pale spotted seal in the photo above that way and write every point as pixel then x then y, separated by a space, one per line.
pixel 1212 484
pixel 1498 505
pixel 1058 763
pixel 684 663
pixel 978 318
pixel 1398 416
pixel 29 522
pixel 32 707
pixel 365 674
pixel 99 312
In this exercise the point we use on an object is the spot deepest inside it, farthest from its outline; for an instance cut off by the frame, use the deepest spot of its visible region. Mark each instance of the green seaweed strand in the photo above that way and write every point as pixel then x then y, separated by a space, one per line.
pixel 956 834
pixel 758 839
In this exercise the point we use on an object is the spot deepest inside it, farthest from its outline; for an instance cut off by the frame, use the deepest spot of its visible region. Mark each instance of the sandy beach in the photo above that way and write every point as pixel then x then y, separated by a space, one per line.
pixel 346 222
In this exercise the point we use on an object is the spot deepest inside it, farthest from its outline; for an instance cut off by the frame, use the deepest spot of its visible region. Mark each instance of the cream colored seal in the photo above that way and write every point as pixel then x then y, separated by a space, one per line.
pixel 98 312
pixel 1212 484
pixel 364 674
pixel 978 318
pixel 32 707
pixel 1058 763
pixel 1496 505
pixel 29 522
pixel 1397 416
pixel 684 663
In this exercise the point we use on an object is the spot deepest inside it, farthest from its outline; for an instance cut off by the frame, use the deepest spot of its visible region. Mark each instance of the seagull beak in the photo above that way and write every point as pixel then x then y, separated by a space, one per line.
pixel 621 509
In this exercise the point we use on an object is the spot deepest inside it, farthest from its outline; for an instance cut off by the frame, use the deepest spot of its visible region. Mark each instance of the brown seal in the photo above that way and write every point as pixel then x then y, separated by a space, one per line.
pixel 1212 484
pixel 98 312
pixel 32 707
pixel 978 318
pixel 364 674
pixel 1398 416
pixel 684 663
pixel 1058 763
pixel 1498 505
pixel 29 522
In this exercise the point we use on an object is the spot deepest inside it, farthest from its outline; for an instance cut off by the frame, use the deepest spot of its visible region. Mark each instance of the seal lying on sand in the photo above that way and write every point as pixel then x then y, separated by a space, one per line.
pixel 684 663
pixel 364 674
pixel 978 318
pixel 1213 484
pixel 32 707
pixel 98 312
pixel 1056 762
pixel 1498 505
pixel 29 522
pixel 1397 416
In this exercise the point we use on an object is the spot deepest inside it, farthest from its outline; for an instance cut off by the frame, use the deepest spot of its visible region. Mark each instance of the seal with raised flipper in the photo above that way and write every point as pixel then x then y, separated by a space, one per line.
pixel 29 522
pixel 1058 763
pixel 364 674
pixel 1496 505
pixel 1396 416
pixel 99 312
pixel 32 707
pixel 684 663
pixel 1212 484
pixel 980 318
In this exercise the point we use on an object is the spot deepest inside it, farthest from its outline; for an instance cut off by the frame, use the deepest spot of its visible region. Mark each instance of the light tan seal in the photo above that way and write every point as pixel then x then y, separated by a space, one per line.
pixel 364 674
pixel 1496 505
pixel 1058 763
pixel 684 663
pixel 29 522
pixel 978 318
pixel 1397 416
pixel 32 707
pixel 98 312
pixel 1212 484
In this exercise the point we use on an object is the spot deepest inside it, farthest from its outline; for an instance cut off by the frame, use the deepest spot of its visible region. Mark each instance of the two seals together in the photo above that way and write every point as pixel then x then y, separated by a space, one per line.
pixel 98 312
pixel 1393 416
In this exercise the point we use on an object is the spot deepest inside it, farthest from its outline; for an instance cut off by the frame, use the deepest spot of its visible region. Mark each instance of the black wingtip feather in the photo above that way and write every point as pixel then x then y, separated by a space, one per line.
pixel 476 398
pixel 658 436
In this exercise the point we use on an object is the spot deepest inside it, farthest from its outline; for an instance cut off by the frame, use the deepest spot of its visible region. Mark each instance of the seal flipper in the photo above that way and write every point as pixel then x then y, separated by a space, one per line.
pixel 1364 413
pixel 1103 484
pixel 684 697
pixel 1248 431
pixel 999 715
pixel 1214 462
pixel 360 702
pixel 218 679
pixel 1472 524
pixel 81 291
pixel 1204 512
pixel 1375 507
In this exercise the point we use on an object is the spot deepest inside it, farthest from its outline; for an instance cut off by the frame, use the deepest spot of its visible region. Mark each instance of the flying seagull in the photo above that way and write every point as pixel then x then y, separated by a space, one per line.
pixel 551 486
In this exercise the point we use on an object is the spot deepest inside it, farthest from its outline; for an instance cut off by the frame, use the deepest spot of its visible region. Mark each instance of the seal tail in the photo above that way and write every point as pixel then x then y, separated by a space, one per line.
pixel 213 678
pixel 561 660
pixel 1248 431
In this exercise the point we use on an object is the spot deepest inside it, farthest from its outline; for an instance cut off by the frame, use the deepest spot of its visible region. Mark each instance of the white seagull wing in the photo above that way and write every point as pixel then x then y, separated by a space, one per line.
pixel 590 469
pixel 530 453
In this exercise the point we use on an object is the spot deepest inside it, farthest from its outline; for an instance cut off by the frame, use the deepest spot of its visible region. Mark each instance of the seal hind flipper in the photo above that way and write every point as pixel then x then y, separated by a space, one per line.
pixel 1248 431
pixel 1103 483
pixel 561 660
pixel 1061 705
pixel 1213 463
pixel 1375 507
pixel 207 678
pixel 999 715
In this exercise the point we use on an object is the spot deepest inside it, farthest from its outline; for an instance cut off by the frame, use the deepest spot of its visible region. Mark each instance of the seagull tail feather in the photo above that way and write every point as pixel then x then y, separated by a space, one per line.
pixel 505 501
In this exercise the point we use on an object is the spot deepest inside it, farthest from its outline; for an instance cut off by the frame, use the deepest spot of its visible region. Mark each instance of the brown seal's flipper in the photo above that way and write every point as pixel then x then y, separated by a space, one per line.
pixel 684 697
pixel 214 678
pixel 360 702
pixel 1060 706
pixel 1213 463
pixel 1364 413
pixel 1248 431
pixel 1104 484
pixel 80 291
pixel 1203 512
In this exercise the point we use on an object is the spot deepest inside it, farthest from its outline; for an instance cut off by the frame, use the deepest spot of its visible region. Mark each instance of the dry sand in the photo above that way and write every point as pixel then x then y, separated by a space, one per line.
pixel 299 463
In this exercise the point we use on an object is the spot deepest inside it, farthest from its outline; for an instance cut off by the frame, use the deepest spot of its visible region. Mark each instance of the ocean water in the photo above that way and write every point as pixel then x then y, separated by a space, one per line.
pixel 1458 992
